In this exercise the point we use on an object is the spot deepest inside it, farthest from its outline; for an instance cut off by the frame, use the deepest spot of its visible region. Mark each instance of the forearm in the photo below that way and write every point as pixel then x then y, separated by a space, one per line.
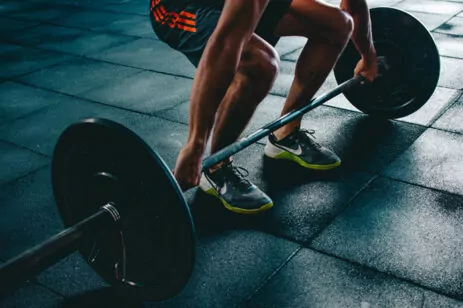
pixel 213 77
pixel 362 35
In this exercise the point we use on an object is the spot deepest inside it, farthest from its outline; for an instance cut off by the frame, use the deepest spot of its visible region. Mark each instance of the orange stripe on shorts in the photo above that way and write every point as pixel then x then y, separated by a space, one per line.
pixel 187 21
pixel 185 28
pixel 188 15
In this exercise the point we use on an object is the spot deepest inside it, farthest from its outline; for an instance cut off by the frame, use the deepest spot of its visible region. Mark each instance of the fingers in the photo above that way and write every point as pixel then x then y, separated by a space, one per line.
pixel 186 182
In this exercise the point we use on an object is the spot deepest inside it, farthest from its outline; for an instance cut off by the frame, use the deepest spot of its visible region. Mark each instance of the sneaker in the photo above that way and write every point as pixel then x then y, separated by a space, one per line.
pixel 236 193
pixel 300 147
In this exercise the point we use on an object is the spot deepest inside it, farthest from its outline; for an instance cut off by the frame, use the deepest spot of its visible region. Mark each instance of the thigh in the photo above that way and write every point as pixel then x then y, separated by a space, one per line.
pixel 312 19
pixel 271 17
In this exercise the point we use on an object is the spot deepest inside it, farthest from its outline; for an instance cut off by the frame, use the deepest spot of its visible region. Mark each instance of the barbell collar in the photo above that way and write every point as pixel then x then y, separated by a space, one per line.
pixel 46 254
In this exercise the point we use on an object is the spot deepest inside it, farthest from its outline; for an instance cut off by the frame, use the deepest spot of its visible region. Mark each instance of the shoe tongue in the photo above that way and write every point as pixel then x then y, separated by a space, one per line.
pixel 290 140
pixel 234 175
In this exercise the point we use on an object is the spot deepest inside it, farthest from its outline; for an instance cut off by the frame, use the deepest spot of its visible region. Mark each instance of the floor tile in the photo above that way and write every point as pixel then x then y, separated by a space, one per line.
pixel 32 295
pixel 131 25
pixel 44 13
pixel 441 99
pixel 45 34
pixel 146 92
pixel 453 26
pixel 451 119
pixel 434 161
pixel 71 276
pixel 29 212
pixel 4 47
pixel 312 279
pixel 86 44
pixel 451 76
pixel 8 25
pixel 288 44
pixel 78 76
pixel 388 229
pixel 431 20
pixel 449 46
pixel 27 60
pixel 433 300
pixel 149 54
pixel 230 265
pixel 19 100
pixel 429 6
pixel 41 130
pixel 87 19
pixel 16 162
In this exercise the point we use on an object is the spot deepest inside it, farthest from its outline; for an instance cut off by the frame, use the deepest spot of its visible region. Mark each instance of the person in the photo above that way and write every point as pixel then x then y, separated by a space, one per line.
pixel 231 42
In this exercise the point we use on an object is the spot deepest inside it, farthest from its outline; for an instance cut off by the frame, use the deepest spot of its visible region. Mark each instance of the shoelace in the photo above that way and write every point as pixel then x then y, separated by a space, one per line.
pixel 308 134
pixel 237 176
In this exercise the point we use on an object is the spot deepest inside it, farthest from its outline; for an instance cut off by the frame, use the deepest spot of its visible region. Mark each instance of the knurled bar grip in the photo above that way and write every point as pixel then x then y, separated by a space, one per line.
pixel 44 255
pixel 276 124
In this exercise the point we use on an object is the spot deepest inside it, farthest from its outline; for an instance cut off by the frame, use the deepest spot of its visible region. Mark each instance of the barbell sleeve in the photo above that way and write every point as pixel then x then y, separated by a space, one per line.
pixel 276 124
pixel 35 260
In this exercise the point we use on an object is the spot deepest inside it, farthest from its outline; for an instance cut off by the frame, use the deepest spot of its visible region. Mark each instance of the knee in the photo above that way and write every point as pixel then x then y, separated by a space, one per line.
pixel 344 26
pixel 260 69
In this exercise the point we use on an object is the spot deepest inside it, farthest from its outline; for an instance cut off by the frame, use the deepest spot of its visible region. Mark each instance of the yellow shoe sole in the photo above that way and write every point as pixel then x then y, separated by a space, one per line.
pixel 294 158
pixel 238 210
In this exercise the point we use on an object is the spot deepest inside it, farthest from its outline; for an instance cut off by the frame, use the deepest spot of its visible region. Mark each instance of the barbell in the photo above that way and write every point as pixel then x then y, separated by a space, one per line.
pixel 122 207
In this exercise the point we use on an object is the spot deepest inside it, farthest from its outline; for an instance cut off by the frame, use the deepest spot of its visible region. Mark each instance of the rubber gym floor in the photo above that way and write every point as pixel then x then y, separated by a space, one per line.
pixel 384 230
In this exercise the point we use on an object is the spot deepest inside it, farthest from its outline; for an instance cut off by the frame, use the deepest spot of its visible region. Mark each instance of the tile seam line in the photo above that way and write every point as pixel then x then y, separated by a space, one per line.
pixel 414 11
pixel 7 122
pixel 451 57
pixel 455 102
pixel 436 190
pixel 24 148
pixel 450 35
pixel 15 77
pixel 446 21
pixel 267 279
pixel 96 30
pixel 89 101
pixel 88 57
pixel 12 181
pixel 77 7
pixel 386 273
pixel 346 205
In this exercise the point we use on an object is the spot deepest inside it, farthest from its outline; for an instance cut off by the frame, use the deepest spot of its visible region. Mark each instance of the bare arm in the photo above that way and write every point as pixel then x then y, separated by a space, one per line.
pixel 218 65
pixel 361 36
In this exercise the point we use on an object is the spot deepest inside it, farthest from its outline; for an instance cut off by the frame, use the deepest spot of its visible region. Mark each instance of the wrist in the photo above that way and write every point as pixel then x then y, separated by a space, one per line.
pixel 195 147
pixel 369 56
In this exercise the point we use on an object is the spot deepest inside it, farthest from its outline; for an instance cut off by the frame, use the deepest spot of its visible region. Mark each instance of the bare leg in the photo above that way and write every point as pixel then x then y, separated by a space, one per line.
pixel 254 79
pixel 328 29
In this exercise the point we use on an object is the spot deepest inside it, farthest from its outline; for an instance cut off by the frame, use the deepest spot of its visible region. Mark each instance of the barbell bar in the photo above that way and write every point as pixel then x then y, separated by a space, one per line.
pixel 131 222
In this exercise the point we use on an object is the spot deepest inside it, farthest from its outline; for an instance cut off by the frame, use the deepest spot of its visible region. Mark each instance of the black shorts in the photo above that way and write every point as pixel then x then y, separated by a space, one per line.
pixel 187 25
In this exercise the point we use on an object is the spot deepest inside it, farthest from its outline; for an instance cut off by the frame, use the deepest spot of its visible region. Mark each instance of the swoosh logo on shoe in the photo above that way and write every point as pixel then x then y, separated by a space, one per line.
pixel 297 151
pixel 223 190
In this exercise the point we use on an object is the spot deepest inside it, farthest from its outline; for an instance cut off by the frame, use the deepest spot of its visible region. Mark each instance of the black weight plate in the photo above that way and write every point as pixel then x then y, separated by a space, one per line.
pixel 150 255
pixel 413 60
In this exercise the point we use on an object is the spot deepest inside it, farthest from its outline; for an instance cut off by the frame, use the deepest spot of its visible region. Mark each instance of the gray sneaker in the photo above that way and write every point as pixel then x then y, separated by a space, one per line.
pixel 300 147
pixel 236 193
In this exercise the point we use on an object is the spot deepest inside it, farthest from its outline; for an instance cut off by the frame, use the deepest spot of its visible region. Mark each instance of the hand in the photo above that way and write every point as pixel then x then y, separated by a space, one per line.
pixel 188 169
pixel 368 68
